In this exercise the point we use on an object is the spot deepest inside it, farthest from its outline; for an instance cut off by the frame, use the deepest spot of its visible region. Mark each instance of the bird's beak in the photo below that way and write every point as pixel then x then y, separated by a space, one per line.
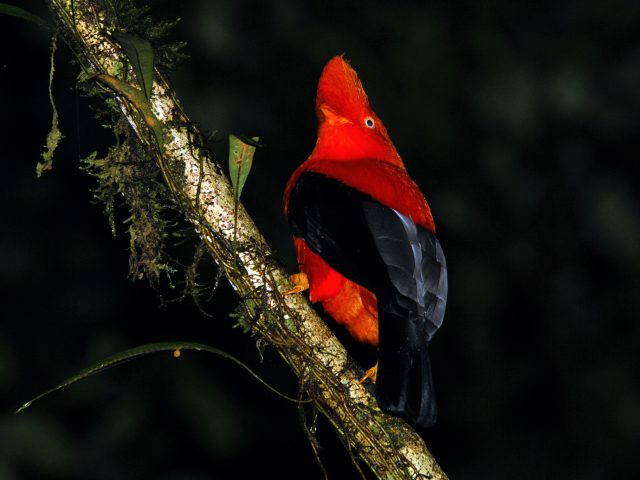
pixel 329 116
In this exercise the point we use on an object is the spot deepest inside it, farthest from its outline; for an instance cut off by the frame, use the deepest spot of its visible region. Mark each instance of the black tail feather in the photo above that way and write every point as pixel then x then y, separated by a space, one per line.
pixel 408 391
pixel 404 382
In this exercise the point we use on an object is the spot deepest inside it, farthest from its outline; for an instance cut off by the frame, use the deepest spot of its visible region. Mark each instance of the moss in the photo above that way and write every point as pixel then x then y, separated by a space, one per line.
pixel 127 170
pixel 246 314
pixel 128 176
pixel 55 135
pixel 116 69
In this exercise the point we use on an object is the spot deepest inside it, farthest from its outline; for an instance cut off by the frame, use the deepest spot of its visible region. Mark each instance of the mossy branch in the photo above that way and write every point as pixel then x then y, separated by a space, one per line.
pixel 198 186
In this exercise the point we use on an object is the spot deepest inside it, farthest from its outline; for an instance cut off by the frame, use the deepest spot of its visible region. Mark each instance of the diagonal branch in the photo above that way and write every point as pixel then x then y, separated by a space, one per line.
pixel 387 444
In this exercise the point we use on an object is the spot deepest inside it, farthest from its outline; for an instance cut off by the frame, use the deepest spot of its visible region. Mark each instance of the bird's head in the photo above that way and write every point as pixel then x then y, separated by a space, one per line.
pixel 348 126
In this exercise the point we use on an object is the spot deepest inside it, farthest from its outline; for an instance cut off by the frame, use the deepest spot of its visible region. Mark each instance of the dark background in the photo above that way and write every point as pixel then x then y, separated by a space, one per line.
pixel 519 122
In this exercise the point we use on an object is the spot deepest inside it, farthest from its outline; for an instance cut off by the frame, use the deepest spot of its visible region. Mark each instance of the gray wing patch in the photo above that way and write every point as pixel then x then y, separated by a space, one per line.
pixel 434 265
pixel 415 263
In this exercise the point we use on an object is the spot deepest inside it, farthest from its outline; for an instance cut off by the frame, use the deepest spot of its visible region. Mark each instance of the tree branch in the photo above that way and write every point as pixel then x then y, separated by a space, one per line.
pixel 387 444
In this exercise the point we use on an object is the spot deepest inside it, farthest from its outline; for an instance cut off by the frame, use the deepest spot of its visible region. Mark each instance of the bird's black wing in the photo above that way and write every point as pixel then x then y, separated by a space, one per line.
pixel 401 263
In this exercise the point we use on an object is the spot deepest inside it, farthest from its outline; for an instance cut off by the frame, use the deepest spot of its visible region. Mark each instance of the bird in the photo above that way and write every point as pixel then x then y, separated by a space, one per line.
pixel 366 244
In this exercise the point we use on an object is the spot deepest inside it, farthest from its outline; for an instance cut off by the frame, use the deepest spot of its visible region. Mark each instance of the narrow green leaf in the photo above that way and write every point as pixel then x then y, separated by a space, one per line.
pixel 146 349
pixel 240 161
pixel 136 97
pixel 20 13
pixel 55 135
pixel 140 54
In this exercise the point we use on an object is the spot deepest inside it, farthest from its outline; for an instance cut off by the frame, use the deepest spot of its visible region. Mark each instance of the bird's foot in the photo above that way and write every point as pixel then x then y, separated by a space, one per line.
pixel 372 373
pixel 300 281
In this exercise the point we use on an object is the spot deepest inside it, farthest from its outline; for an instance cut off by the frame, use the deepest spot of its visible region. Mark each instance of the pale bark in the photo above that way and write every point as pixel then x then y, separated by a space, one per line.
pixel 390 447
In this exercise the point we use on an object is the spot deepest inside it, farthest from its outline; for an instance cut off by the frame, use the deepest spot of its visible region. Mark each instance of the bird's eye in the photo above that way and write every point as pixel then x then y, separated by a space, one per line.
pixel 369 123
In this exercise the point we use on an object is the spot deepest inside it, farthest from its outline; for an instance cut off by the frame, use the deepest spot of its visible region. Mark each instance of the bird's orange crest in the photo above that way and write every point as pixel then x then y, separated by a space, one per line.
pixel 349 128
pixel 340 89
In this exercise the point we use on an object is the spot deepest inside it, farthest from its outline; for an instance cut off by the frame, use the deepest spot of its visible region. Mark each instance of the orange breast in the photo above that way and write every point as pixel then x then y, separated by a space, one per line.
pixel 348 303
pixel 356 308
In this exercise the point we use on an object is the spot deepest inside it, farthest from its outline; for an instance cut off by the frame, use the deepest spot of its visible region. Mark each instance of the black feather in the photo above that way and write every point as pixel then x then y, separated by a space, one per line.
pixel 400 262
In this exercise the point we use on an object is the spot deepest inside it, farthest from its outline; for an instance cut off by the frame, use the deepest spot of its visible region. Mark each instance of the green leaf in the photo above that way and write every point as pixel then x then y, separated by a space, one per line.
pixel 140 54
pixel 175 347
pixel 136 97
pixel 20 13
pixel 240 160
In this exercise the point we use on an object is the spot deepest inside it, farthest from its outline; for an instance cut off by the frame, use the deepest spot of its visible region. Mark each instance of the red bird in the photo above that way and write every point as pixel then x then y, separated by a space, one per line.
pixel 366 243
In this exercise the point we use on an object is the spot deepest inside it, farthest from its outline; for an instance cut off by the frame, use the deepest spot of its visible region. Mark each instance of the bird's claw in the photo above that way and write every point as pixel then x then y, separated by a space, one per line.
pixel 300 281
pixel 372 373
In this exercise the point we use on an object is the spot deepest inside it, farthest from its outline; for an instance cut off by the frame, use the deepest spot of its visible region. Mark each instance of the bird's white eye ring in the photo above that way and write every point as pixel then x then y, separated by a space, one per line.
pixel 369 122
